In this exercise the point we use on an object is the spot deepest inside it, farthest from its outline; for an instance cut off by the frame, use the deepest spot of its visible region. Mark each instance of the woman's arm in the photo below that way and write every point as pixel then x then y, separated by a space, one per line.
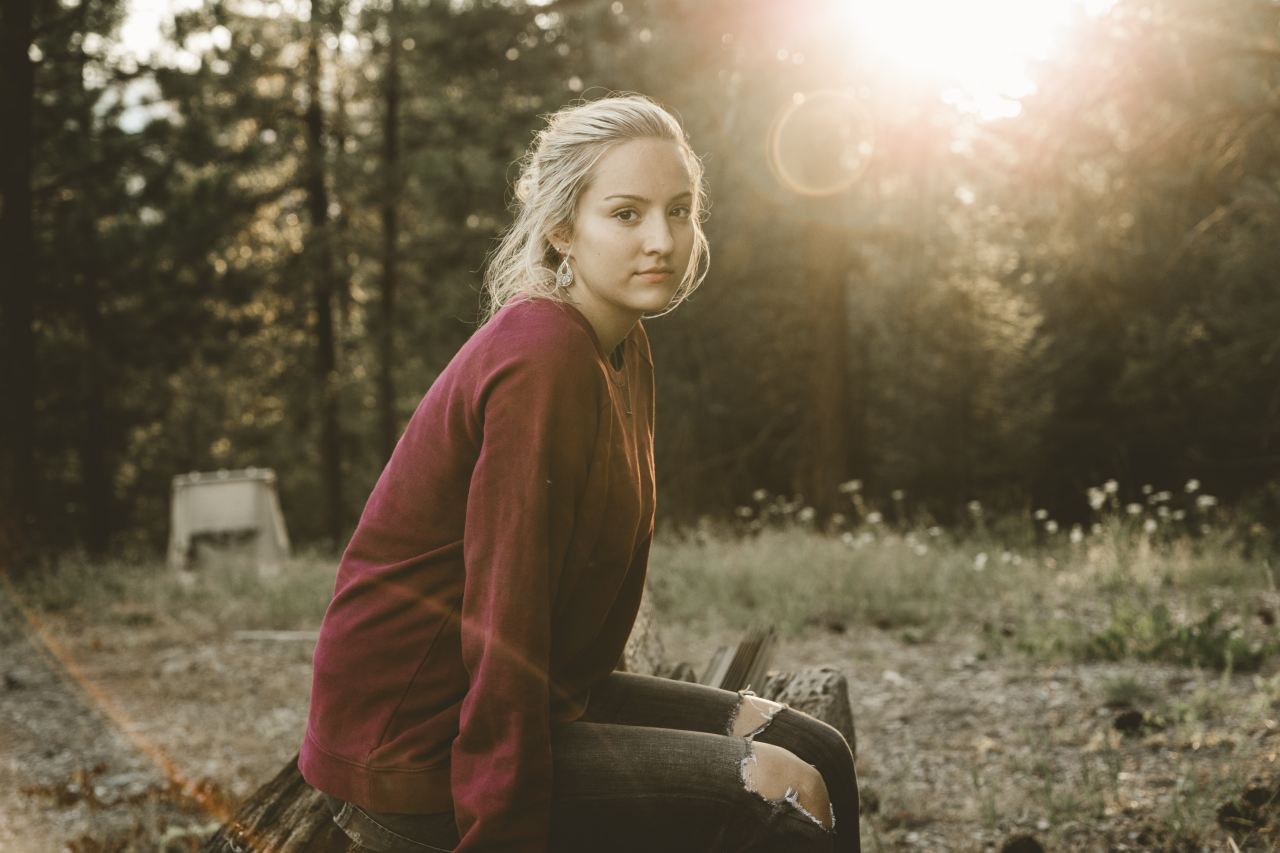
pixel 540 409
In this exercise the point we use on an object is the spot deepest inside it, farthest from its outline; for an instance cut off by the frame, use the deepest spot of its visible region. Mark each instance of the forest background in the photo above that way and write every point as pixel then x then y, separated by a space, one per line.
pixel 259 245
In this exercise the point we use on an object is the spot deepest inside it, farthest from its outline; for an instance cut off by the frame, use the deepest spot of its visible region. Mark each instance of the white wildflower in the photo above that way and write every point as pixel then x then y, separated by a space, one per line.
pixel 921 549
pixel 898 494
pixel 1097 498
pixel 850 486
pixel 1051 526
pixel 1111 487
pixel 838 519
pixel 1179 514
pixel 1077 534
pixel 975 507
pixel 874 518
pixel 743 512
pixel 1148 489
pixel 1134 509
pixel 980 561
pixel 760 495
pixel 1193 485
pixel 1040 514
pixel 934 531
pixel 1206 502
pixel 1150 526
pixel 808 514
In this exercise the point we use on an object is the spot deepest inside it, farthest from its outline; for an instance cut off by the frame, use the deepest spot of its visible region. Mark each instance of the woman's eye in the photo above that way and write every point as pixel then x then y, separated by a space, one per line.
pixel 624 214
pixel 682 212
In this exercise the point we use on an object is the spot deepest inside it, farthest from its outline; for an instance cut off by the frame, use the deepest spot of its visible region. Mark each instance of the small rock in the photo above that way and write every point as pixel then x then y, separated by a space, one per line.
pixel 1129 722
pixel 1021 843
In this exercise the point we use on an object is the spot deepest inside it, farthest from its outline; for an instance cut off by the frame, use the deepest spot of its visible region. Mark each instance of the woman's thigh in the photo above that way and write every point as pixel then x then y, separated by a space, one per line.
pixel 643 788
pixel 631 699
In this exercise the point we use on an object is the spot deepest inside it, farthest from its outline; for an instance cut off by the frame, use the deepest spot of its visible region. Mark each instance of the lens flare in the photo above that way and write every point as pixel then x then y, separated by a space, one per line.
pixel 820 143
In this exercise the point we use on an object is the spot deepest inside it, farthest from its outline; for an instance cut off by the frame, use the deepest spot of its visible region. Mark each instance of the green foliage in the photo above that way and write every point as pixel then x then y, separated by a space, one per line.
pixel 1024 307
pixel 1210 641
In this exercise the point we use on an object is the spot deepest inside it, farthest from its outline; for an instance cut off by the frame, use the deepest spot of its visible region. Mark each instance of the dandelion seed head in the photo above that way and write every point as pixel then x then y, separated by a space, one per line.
pixel 1077 534
pixel 1147 488
pixel 1206 502
pixel 920 549
pixel 934 531
pixel 743 512
pixel 874 518
pixel 1040 514
pixel 898 494
pixel 808 514
pixel 848 487
pixel 1097 498
pixel 980 561
pixel 760 495
pixel 975 507
pixel 1111 487
pixel 1051 526
pixel 1193 485
pixel 1133 509
pixel 1150 526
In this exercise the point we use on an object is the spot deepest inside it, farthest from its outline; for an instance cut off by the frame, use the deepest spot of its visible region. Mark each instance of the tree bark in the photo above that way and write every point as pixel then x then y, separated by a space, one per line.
pixel 827 262
pixel 390 237
pixel 18 483
pixel 322 270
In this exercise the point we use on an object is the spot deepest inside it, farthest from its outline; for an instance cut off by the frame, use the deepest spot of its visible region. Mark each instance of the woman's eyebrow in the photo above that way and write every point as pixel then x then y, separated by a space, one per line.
pixel 645 200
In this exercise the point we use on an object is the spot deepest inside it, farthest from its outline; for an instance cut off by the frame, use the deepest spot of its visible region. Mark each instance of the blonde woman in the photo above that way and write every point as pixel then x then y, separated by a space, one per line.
pixel 464 694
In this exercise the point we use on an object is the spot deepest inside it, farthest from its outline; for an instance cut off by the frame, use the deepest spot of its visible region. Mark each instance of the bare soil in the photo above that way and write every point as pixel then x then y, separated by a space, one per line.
pixel 135 732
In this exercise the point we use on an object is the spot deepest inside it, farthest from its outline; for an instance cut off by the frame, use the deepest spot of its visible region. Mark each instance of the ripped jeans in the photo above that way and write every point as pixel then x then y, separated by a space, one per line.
pixel 658 764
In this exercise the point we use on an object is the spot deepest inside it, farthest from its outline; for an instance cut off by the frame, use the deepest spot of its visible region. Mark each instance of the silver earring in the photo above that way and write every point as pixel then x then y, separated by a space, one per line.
pixel 564 273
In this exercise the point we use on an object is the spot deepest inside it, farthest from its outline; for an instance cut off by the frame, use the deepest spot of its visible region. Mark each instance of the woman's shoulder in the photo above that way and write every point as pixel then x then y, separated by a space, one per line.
pixel 535 329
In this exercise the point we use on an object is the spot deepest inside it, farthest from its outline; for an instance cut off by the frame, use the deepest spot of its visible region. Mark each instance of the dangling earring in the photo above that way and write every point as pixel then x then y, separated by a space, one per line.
pixel 564 273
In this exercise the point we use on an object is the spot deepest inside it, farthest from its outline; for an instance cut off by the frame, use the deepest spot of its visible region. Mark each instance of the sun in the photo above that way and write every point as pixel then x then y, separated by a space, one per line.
pixel 978 53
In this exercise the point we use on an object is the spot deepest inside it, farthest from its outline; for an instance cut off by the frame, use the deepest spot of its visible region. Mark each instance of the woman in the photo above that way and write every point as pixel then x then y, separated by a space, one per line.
pixel 464 695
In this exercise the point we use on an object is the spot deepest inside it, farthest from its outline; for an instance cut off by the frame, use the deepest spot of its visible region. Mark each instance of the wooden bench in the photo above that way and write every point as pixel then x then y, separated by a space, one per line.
pixel 286 815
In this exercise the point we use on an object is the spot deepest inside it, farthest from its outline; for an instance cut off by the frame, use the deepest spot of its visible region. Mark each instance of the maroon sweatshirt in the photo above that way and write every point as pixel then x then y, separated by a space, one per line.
pixel 494 576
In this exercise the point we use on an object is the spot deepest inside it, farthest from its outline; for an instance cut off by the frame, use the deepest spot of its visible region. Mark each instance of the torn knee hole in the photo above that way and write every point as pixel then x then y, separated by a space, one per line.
pixel 752 715
pixel 791 796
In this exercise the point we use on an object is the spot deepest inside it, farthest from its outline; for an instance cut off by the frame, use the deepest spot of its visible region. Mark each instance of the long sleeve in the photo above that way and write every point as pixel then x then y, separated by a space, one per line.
pixel 540 410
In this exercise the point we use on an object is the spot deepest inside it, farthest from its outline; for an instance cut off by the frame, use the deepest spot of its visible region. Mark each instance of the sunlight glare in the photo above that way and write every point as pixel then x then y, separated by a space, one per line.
pixel 978 54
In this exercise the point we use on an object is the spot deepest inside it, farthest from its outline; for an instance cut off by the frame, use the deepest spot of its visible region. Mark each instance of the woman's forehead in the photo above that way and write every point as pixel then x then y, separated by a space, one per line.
pixel 643 170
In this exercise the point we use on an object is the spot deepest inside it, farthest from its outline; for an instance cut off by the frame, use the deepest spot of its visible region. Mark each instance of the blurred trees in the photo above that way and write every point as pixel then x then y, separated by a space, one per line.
pixel 260 249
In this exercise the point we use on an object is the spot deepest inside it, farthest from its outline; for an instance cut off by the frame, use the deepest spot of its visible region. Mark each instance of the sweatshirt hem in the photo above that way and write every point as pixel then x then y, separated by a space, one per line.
pixel 416 790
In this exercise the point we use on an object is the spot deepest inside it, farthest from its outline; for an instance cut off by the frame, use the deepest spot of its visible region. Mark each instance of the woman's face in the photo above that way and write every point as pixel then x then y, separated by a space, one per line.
pixel 633 237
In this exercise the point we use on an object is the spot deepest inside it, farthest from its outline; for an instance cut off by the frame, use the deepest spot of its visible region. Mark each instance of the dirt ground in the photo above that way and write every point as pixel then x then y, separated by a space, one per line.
pixel 136 732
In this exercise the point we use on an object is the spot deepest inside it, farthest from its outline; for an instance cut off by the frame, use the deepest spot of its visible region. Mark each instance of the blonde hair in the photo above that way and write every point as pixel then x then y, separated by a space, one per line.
pixel 555 170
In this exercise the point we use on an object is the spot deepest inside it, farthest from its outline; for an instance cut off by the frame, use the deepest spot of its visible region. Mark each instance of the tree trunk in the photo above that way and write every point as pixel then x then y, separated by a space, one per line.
pixel 388 425
pixel 18 483
pixel 827 262
pixel 322 269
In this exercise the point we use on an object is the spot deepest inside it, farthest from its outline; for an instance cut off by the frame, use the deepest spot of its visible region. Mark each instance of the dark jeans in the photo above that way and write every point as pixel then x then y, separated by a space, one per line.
pixel 652 765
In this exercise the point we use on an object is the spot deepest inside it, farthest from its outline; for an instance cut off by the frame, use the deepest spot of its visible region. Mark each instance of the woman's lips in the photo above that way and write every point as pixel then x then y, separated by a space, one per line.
pixel 655 275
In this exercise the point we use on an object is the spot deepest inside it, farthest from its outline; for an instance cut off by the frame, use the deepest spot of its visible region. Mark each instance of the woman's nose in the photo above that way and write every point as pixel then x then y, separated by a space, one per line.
pixel 658 236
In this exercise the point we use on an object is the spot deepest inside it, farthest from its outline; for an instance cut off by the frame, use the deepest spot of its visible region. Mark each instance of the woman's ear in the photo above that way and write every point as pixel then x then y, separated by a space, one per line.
pixel 559 239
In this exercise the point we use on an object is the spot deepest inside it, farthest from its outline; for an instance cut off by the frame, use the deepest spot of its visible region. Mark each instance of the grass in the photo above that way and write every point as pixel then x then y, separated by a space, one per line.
pixel 1116 593
pixel 1196 597
pixel 224 594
